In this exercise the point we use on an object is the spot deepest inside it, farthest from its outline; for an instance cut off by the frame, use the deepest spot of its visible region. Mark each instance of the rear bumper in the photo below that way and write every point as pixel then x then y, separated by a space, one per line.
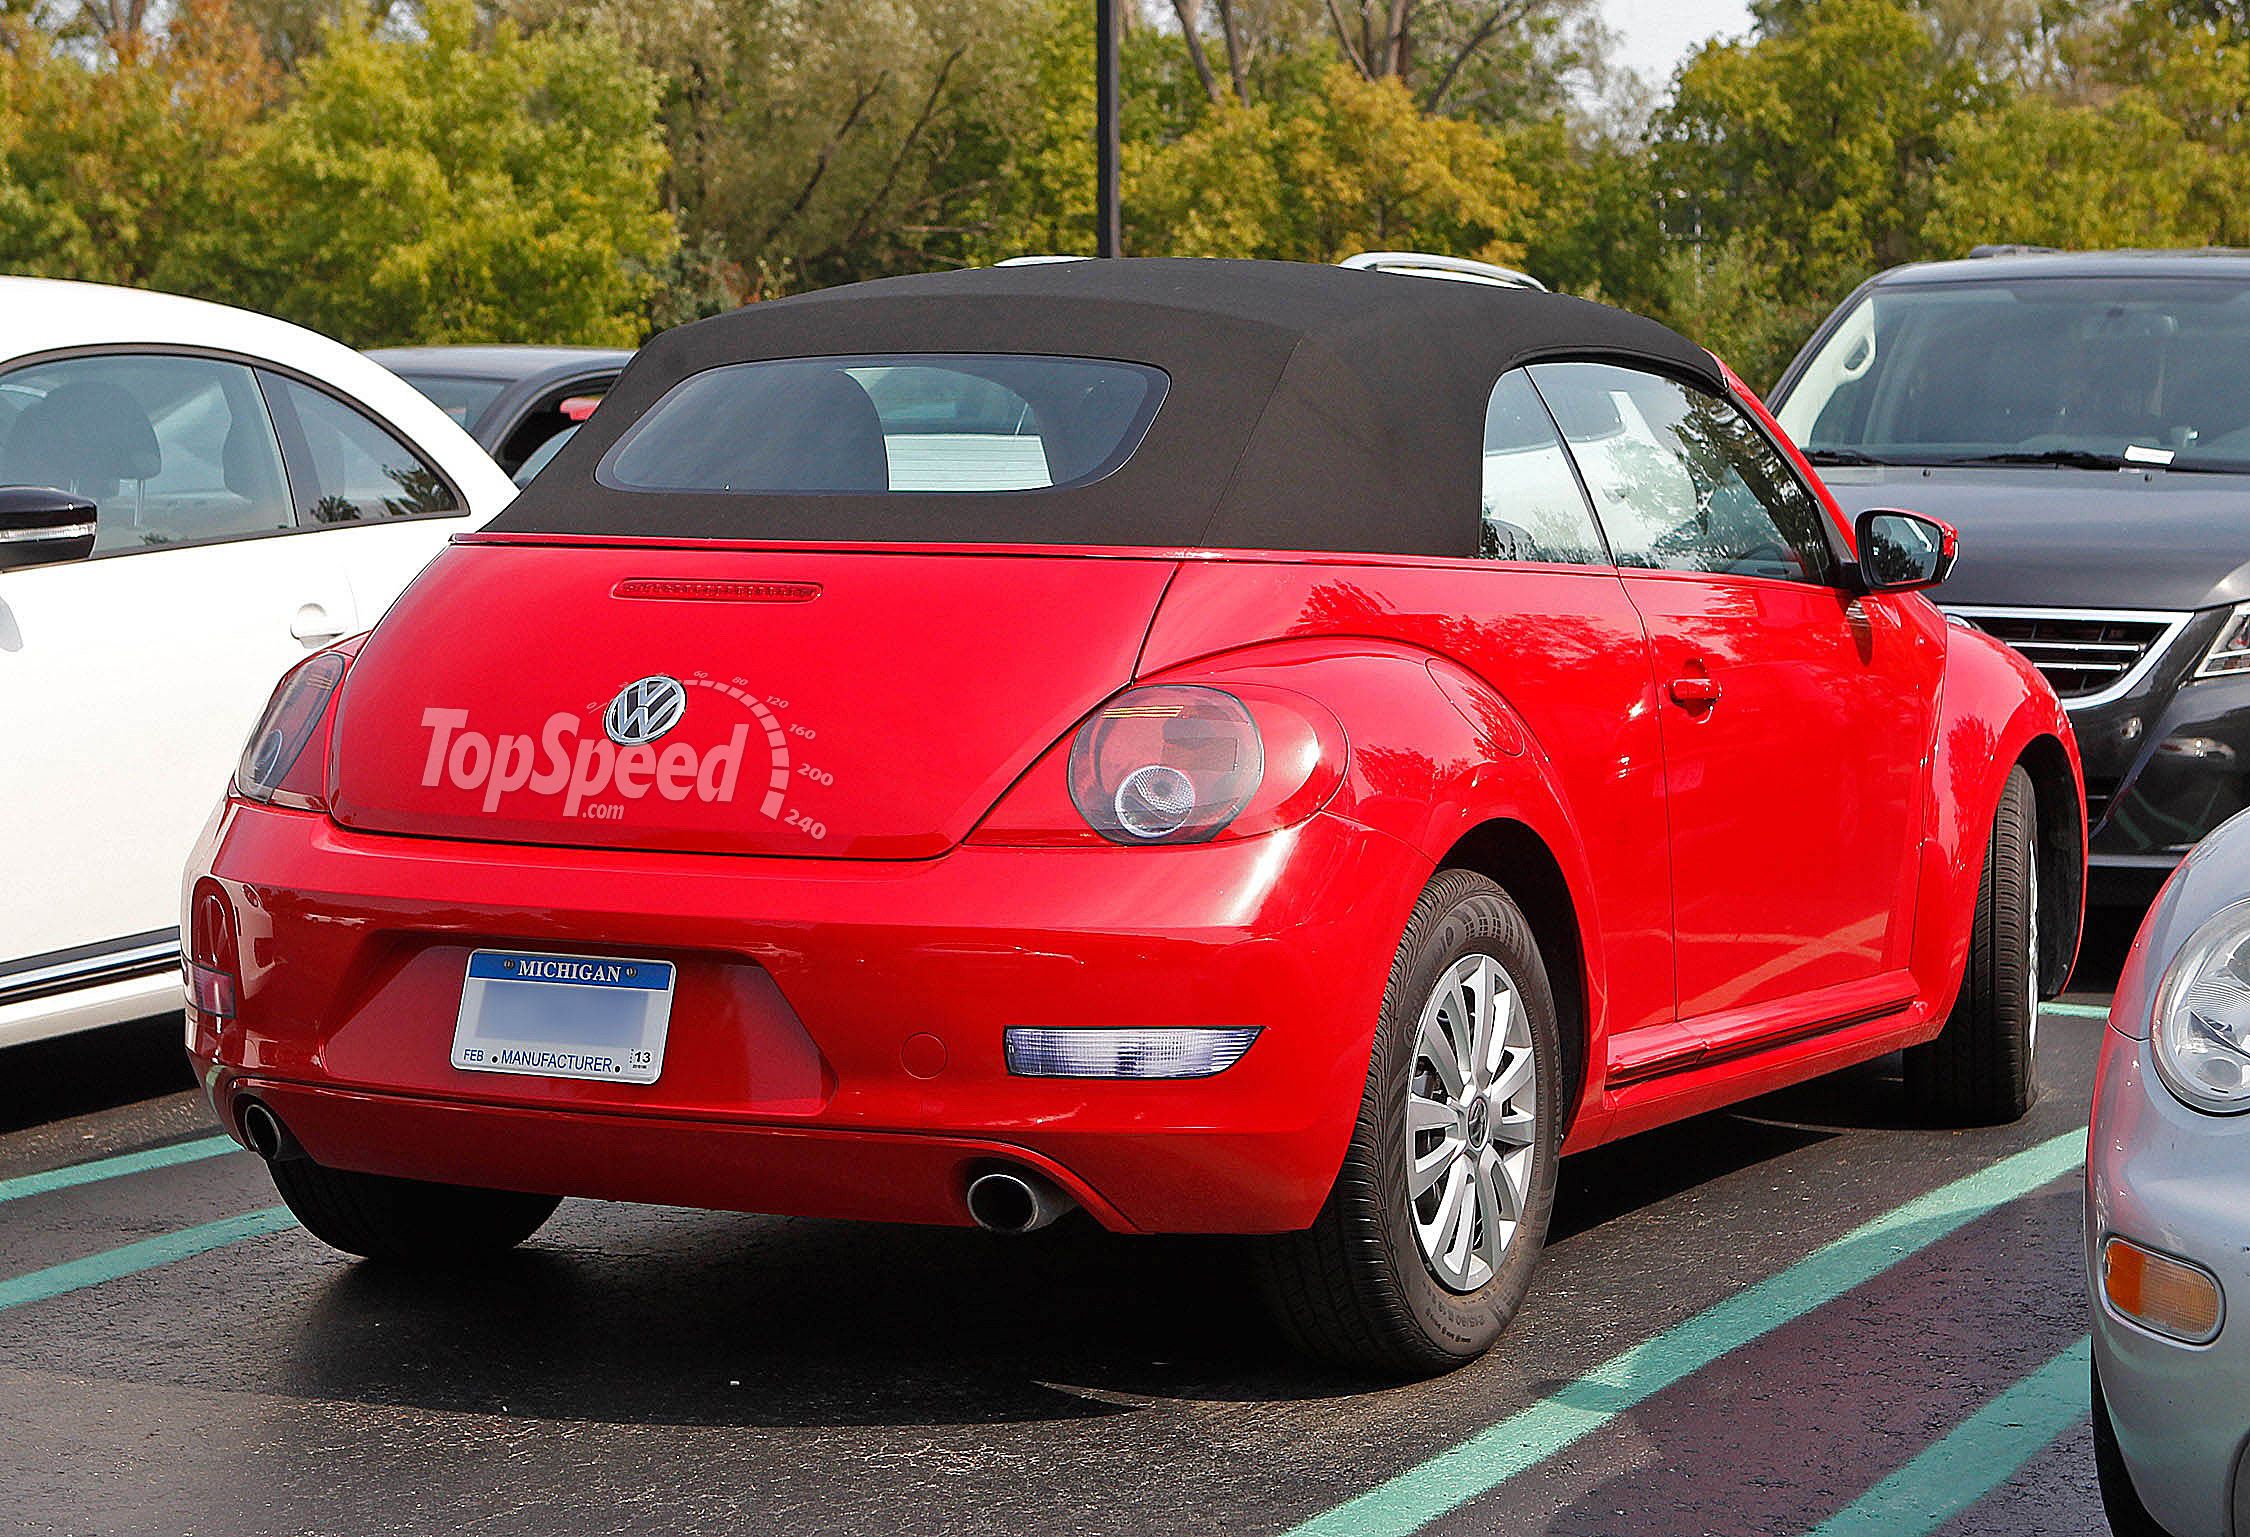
pixel 835 1046
pixel 2171 1179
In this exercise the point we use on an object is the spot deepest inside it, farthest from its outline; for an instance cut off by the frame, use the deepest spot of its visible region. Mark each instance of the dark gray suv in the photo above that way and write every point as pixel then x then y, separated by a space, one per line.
pixel 2084 420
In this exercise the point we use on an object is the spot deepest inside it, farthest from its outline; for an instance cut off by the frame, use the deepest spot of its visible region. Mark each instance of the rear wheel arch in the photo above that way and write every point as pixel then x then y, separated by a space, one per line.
pixel 2061 851
pixel 1516 859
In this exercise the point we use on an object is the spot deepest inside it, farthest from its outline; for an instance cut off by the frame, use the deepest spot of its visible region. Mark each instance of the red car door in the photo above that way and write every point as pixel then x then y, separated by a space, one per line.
pixel 1795 715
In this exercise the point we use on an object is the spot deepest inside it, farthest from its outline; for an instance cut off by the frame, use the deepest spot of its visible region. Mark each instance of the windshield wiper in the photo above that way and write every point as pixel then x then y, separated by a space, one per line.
pixel 1843 456
pixel 2064 458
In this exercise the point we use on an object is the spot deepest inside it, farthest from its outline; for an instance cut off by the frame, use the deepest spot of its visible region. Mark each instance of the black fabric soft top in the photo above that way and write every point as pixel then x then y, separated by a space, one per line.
pixel 1310 407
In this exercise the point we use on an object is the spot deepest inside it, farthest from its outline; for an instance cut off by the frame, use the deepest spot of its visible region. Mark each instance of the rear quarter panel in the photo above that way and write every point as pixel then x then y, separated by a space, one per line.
pixel 1406 656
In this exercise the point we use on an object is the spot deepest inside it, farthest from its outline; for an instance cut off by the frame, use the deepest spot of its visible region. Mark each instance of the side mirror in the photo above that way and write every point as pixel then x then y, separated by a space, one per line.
pixel 1903 551
pixel 41 526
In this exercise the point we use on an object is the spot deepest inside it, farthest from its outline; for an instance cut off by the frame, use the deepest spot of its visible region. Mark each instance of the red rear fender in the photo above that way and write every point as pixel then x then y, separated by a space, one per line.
pixel 1996 711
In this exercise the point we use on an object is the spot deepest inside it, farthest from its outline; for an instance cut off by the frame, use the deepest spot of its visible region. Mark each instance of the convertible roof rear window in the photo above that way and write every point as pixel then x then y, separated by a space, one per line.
pixel 903 422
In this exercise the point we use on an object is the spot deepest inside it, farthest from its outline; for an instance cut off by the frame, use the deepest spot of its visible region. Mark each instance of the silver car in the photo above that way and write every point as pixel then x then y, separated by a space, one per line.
pixel 2168 1209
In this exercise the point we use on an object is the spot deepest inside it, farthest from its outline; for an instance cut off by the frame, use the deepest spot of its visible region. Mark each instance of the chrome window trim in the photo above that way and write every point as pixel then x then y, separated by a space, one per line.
pixel 2173 623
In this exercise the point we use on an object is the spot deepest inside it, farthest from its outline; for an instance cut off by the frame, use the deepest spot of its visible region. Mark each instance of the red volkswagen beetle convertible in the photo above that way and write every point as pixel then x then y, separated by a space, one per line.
pixel 1232 747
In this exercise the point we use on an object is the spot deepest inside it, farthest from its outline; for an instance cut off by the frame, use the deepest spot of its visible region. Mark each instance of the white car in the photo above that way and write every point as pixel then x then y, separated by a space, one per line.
pixel 192 498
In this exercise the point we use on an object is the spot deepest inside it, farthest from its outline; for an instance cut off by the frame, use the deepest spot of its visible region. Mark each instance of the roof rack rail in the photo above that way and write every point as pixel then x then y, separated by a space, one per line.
pixel 1457 269
pixel 1421 264
pixel 1980 252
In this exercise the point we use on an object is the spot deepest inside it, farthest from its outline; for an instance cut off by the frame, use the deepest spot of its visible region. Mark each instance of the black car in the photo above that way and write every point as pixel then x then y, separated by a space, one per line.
pixel 2084 420
pixel 511 399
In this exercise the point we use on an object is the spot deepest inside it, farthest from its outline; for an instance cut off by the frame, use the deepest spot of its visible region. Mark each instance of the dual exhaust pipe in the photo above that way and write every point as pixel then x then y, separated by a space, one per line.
pixel 1004 1199
pixel 1007 1199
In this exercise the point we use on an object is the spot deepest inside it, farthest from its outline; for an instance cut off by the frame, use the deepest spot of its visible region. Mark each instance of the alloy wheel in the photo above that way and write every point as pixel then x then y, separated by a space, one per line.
pixel 1472 1113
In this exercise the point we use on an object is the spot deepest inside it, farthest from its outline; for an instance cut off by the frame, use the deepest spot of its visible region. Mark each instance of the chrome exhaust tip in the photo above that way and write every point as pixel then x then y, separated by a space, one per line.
pixel 267 1137
pixel 1016 1201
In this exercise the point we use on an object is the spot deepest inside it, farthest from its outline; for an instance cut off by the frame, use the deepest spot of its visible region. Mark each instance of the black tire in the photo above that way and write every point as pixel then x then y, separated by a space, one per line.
pixel 2121 1502
pixel 1982 1069
pixel 1356 1287
pixel 407 1221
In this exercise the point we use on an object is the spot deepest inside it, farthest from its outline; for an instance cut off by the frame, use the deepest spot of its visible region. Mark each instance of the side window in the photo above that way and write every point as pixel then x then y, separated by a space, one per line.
pixel 548 419
pixel 171 450
pixel 348 469
pixel 1683 480
pixel 1533 508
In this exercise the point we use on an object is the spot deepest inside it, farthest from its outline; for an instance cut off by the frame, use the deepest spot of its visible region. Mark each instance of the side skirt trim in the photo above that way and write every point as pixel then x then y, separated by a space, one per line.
pixel 65 971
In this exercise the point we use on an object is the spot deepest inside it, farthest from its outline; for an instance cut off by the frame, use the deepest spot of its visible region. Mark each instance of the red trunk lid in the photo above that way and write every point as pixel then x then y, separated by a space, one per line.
pixel 840 704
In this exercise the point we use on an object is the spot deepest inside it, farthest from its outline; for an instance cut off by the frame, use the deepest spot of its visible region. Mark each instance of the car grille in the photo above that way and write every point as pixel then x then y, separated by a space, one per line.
pixel 2086 655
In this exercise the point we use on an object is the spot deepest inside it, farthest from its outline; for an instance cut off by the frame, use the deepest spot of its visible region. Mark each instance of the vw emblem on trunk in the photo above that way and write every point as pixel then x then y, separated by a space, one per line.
pixel 644 710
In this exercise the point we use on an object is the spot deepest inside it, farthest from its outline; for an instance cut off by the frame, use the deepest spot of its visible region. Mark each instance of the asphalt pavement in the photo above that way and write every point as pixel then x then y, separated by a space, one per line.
pixel 1809 1315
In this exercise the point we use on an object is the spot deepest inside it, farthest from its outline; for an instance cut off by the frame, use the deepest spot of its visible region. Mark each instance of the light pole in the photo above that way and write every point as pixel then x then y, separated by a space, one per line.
pixel 1109 218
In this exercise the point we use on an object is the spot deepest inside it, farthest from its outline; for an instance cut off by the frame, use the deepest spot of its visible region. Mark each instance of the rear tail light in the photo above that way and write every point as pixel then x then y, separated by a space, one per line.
pixel 214 966
pixel 1177 763
pixel 270 768
pixel 1166 765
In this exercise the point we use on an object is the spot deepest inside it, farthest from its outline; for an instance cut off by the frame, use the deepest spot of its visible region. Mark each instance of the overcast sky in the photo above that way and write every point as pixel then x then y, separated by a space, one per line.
pixel 1656 34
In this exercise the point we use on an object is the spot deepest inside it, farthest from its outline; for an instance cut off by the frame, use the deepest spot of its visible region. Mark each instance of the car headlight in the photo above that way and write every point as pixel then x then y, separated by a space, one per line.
pixel 2201 1032
pixel 2230 653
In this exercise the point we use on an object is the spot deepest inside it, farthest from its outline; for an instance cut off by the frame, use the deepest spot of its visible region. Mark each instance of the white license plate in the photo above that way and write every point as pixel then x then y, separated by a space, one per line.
pixel 563 1016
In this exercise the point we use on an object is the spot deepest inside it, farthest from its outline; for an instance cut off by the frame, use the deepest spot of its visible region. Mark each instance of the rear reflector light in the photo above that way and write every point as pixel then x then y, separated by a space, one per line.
pixel 214 956
pixel 1092 1051
pixel 210 992
pixel 2159 1292
pixel 687 591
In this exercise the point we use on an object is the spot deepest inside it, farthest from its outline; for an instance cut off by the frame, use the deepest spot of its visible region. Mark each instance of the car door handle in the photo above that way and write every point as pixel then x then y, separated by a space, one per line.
pixel 1695 692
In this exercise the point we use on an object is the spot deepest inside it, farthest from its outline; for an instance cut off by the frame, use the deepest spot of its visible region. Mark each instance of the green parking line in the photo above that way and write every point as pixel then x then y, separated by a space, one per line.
pixel 1983 1452
pixel 1493 1456
pixel 2076 1010
pixel 110 1168
pixel 148 1254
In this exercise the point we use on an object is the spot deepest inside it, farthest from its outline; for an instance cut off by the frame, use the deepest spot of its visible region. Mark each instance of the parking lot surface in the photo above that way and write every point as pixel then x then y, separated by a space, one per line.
pixel 1808 1315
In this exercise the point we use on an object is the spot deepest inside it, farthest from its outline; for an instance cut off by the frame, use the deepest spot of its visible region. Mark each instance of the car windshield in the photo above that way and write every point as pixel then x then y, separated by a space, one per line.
pixel 900 423
pixel 459 396
pixel 2079 372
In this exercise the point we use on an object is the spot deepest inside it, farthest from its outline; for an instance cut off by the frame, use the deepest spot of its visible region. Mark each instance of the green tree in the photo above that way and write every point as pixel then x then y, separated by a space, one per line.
pixel 110 164
pixel 1502 61
pixel 822 141
pixel 2040 172
pixel 438 188
pixel 1356 167
pixel 1792 166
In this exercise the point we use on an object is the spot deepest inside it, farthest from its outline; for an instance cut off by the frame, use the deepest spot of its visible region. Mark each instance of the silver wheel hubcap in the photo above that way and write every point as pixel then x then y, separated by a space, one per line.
pixel 1472 1116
